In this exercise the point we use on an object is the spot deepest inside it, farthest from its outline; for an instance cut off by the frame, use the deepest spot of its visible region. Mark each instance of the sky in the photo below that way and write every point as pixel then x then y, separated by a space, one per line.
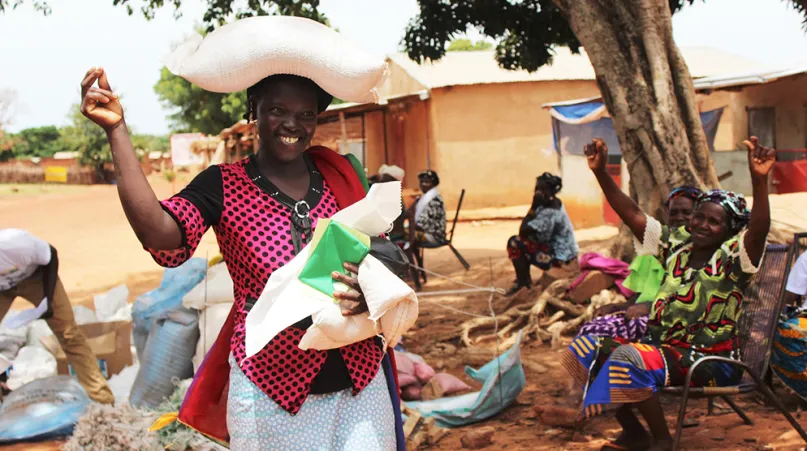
pixel 43 58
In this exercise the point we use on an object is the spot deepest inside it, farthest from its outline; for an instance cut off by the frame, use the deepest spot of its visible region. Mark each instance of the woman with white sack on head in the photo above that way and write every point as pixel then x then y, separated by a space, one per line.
pixel 264 210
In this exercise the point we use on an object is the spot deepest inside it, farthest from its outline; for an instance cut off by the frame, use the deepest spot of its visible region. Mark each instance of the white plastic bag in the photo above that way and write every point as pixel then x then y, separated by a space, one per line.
pixel 84 315
pixel 121 383
pixel 392 310
pixel 211 320
pixel 11 340
pixel 285 300
pixel 109 303
pixel 216 289
pixel 32 363
pixel 238 55
pixel 37 330
pixel 123 314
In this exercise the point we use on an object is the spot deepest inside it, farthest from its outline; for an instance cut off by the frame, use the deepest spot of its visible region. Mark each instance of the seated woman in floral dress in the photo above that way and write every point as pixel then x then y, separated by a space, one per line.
pixel 707 268
pixel 628 320
pixel 546 237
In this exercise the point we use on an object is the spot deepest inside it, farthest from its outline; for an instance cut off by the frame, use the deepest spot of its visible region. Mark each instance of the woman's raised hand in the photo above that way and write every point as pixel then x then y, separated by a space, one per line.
pixel 597 155
pixel 100 104
pixel 760 158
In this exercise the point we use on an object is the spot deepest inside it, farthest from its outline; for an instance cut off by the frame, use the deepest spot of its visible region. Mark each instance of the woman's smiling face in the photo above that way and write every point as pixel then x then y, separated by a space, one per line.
pixel 709 226
pixel 286 112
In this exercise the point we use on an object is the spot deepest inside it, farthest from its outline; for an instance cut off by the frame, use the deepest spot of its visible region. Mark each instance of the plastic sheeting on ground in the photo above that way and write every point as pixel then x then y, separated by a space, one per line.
pixel 503 380
pixel 42 410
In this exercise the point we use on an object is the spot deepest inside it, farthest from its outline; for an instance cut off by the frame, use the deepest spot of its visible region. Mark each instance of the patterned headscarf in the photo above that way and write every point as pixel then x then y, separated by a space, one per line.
pixel 430 175
pixel 735 205
pixel 684 191
pixel 554 182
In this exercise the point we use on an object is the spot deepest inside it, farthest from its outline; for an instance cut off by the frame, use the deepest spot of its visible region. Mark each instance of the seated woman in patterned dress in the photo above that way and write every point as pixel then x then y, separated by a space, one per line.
pixel 695 313
pixel 628 320
pixel 546 237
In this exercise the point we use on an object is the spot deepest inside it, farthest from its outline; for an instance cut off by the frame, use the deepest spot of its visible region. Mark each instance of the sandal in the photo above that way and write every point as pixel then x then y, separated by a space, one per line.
pixel 516 288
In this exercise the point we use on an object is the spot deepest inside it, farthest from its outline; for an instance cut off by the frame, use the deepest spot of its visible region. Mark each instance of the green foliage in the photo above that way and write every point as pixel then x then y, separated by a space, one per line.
pixel 86 138
pixel 7 141
pixel 81 136
pixel 197 110
pixel 151 143
pixel 218 11
pixel 465 45
pixel 525 31
pixel 169 175
pixel 37 142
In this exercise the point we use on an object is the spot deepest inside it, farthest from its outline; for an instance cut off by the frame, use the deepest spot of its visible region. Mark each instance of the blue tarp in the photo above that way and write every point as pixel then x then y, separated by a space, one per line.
pixel 583 112
pixel 574 126
pixel 503 380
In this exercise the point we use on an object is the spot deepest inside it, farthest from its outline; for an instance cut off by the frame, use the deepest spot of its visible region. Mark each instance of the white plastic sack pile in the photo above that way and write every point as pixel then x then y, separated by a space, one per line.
pixel 121 383
pixel 84 315
pixel 216 288
pixel 11 340
pixel 238 55
pixel 213 298
pixel 211 320
pixel 285 300
pixel 32 363
pixel 111 303
pixel 37 330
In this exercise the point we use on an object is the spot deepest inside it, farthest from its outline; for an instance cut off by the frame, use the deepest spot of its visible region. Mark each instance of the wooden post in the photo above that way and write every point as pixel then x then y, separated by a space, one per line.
pixel 343 139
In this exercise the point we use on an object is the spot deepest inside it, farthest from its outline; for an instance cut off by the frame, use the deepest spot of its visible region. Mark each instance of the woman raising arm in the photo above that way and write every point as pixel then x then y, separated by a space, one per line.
pixel 623 205
pixel 155 228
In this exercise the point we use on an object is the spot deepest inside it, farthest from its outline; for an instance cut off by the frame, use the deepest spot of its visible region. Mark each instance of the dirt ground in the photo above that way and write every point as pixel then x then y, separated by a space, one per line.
pixel 98 250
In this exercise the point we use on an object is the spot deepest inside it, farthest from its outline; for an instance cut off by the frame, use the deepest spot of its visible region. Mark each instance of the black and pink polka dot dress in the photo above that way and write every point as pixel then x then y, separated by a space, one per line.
pixel 253 232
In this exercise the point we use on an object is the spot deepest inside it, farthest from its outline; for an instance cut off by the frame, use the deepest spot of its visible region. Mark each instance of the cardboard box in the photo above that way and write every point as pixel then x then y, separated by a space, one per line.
pixel 111 342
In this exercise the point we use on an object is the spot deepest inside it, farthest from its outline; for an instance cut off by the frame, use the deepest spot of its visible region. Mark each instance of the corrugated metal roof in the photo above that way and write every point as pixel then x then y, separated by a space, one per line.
pixel 472 68
pixel 747 78
pixel 718 82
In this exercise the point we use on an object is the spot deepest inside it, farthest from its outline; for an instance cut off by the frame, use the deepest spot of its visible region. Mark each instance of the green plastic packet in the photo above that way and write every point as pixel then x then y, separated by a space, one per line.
pixel 332 245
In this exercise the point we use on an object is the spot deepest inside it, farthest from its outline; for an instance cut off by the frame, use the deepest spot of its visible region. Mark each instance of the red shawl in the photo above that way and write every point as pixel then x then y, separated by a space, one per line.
pixel 205 406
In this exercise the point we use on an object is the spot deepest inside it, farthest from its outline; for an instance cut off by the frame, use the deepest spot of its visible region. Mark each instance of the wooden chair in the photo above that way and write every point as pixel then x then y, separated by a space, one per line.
pixel 448 242
pixel 761 307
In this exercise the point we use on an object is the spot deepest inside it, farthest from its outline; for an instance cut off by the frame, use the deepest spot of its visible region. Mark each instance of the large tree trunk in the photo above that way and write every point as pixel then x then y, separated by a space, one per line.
pixel 648 91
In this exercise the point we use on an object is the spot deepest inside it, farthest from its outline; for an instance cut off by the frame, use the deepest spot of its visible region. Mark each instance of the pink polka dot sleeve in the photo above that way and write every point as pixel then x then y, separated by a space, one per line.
pixel 191 224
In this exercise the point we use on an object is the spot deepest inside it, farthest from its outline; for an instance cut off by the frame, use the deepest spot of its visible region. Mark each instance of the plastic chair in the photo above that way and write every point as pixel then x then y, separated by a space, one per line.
pixel 762 304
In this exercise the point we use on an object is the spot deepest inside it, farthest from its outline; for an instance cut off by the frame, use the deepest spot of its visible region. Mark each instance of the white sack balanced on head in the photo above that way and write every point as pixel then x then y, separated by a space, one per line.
pixel 238 55
pixel 295 292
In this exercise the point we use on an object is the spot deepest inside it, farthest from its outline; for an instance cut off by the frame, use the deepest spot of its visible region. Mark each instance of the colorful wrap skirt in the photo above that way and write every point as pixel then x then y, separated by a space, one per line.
pixel 613 372
pixel 616 326
pixel 789 356
pixel 538 254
